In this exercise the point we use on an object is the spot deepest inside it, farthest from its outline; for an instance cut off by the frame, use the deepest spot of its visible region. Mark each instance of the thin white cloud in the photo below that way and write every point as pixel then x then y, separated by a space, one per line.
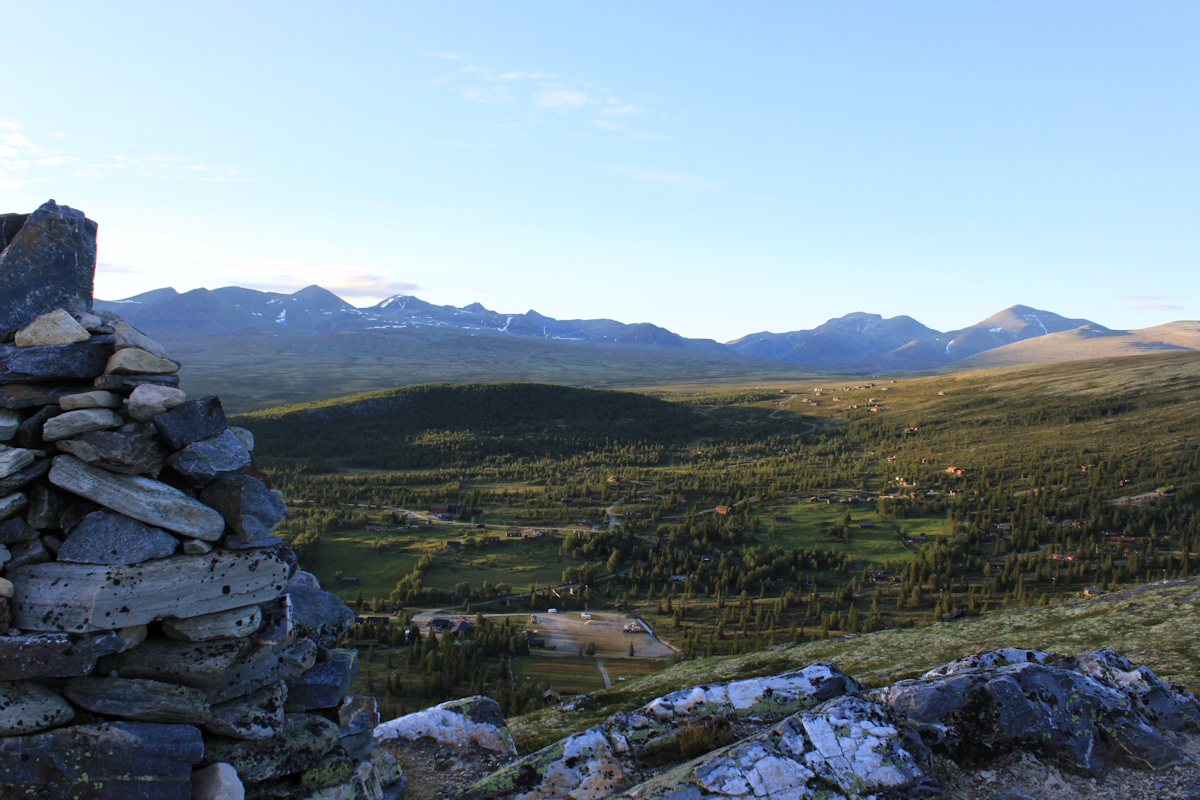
pixel 24 161
pixel 351 283
pixel 450 56
pixel 1149 298
pixel 616 110
pixel 1157 307
pixel 564 98
pixel 679 181
pixel 488 94
pixel 608 124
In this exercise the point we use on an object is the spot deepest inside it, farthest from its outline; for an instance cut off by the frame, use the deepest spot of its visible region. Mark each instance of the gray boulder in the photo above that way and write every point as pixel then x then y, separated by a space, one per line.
pixel 191 421
pixel 203 461
pixel 16 530
pixel 317 614
pixel 139 699
pixel 1162 704
pixel 107 538
pixel 1073 720
pixel 48 262
pixel 468 720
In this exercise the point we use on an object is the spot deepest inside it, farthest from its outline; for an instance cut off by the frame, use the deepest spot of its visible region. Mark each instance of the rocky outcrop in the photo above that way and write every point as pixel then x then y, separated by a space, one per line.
pixel 148 635
pixel 815 733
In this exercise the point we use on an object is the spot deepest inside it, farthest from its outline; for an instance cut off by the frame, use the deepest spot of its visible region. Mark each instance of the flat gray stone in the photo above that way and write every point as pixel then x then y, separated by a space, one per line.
pixel 126 453
pixel 85 420
pixel 14 459
pixel 124 384
pixel 236 623
pixel 247 506
pixel 55 362
pixel 21 477
pixel 48 263
pixel 304 740
pixel 224 669
pixel 53 655
pixel 112 761
pixel 258 715
pixel 138 699
pixel 27 707
pixel 81 598
pixel 107 538
pixel 11 503
pixel 148 500
pixel 208 459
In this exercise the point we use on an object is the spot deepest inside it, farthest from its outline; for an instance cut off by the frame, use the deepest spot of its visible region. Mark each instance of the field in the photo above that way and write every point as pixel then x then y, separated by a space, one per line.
pixel 569 633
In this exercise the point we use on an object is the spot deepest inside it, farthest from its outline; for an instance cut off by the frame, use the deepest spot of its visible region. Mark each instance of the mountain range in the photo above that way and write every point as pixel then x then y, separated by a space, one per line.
pixel 856 342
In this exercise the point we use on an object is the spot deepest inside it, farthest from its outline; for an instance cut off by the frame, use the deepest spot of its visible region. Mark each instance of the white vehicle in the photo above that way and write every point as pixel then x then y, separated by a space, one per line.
pixel 551 610
pixel 585 615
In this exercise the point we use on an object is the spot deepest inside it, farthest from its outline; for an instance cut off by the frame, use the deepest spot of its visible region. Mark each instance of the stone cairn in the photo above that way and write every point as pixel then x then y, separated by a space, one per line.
pixel 156 640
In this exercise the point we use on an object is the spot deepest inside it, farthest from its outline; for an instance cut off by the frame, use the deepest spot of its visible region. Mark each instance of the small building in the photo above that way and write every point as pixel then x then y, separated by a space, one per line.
pixel 348 581
pixel 782 518
pixel 722 509
pixel 551 697
pixel 866 526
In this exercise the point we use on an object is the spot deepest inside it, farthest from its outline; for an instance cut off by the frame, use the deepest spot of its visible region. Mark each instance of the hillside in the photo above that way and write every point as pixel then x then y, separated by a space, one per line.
pixel 257 369
pixel 1088 342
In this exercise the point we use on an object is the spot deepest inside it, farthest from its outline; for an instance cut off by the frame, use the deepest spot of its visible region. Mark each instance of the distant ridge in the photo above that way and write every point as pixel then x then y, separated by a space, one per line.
pixel 858 342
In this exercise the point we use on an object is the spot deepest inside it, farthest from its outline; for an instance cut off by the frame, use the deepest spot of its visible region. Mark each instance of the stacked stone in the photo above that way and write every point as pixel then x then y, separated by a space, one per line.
pixel 156 640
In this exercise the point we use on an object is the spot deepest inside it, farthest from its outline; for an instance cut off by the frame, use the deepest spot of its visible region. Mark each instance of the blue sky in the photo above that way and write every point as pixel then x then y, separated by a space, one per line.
pixel 715 168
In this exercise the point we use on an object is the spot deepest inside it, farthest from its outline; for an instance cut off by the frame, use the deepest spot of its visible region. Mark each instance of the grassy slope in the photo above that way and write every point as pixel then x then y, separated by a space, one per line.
pixel 1157 625
pixel 1086 344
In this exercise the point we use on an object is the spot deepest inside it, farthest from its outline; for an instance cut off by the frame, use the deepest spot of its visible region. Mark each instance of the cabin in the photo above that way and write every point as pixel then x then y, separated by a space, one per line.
pixel 551 697
pixel 722 509
pixel 513 534
pixel 491 539
pixel 348 581
pixel 866 526
pixel 782 518
pixel 439 509
pixel 456 544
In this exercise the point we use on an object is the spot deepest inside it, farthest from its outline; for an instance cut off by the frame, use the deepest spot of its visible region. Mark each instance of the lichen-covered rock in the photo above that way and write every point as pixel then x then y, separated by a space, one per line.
pixel 470 719
pixel 258 715
pixel 303 741
pixel 139 362
pixel 97 398
pixel 81 598
pixel 1073 720
pixel 27 707
pixel 1162 704
pixel 55 327
pixel 53 655
pixel 11 503
pixel 139 699
pixel 112 761
pixel 149 400
pixel 614 755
